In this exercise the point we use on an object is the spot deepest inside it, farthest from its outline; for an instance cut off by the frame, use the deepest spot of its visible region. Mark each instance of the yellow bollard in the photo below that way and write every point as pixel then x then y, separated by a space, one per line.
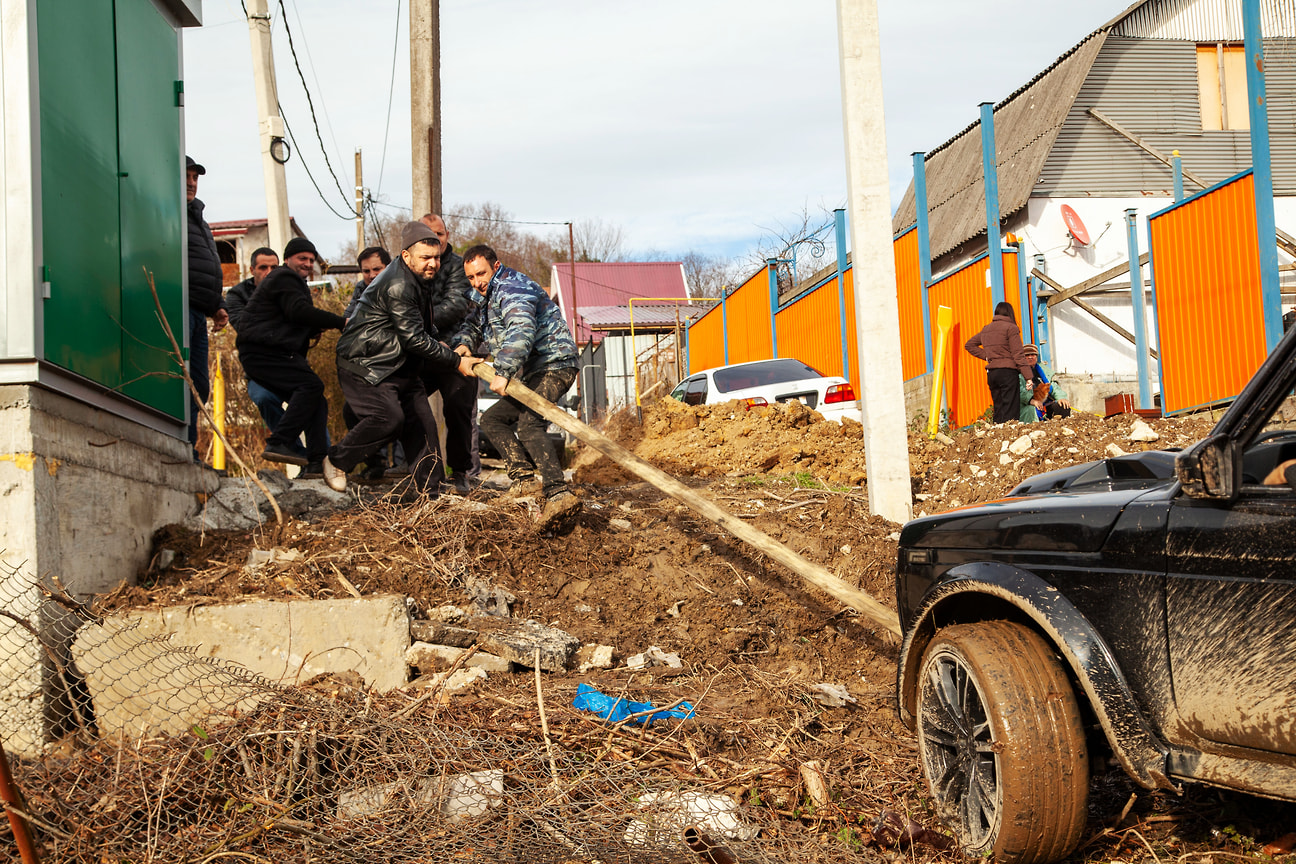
pixel 944 321
pixel 218 416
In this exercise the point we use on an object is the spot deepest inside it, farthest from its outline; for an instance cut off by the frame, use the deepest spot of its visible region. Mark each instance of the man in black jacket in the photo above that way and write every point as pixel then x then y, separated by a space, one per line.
pixel 205 281
pixel 378 359
pixel 274 334
pixel 451 301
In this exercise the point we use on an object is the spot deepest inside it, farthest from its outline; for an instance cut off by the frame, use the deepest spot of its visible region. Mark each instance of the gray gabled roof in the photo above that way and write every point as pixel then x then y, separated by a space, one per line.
pixel 1026 125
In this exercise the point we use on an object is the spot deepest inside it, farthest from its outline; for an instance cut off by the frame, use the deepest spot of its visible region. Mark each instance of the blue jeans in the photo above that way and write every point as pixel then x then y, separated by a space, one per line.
pixel 198 371
pixel 271 408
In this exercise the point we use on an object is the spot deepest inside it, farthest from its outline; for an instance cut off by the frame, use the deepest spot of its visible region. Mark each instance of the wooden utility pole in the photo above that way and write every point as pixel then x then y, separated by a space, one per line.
pixel 271 126
pixel 360 244
pixel 425 105
pixel 877 314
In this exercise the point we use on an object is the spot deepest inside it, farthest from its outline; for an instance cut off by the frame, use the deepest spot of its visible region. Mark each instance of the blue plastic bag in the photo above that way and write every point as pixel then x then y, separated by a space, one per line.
pixel 614 710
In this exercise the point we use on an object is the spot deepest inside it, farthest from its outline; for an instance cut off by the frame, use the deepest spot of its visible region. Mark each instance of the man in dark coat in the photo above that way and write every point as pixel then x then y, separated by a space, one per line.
pixel 268 404
pixel 276 328
pixel 205 281
pixel 999 344
pixel 450 303
pixel 378 357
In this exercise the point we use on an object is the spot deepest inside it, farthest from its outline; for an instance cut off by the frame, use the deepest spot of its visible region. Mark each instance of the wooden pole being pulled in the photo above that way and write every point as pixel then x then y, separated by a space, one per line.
pixel 818 576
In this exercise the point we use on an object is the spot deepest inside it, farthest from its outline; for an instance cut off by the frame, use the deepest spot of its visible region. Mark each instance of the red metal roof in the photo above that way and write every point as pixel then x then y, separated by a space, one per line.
pixel 612 284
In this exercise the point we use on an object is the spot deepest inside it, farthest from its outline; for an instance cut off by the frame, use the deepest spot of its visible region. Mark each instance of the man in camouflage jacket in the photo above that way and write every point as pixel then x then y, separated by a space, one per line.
pixel 525 331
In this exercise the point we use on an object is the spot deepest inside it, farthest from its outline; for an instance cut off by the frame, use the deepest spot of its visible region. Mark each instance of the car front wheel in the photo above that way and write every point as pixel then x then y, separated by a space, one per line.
pixel 1001 742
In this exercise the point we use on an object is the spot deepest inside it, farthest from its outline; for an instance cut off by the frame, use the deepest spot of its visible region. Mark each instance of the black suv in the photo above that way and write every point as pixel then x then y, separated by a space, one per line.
pixel 1141 608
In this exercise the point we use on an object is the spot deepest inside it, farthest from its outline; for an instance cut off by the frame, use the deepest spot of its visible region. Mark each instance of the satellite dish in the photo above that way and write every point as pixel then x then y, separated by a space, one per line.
pixel 1075 227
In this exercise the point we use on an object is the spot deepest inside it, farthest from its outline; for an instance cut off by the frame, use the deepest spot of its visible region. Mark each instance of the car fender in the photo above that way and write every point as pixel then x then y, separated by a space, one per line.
pixel 1019 594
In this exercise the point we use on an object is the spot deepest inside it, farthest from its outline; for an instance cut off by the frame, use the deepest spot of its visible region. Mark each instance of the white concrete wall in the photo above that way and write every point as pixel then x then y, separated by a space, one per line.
pixel 1081 344
pixel 81 493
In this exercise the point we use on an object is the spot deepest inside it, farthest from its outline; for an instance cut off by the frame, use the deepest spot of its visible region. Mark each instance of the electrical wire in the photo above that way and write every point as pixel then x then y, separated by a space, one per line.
pixel 349 217
pixel 391 89
pixel 310 61
pixel 480 218
pixel 283 18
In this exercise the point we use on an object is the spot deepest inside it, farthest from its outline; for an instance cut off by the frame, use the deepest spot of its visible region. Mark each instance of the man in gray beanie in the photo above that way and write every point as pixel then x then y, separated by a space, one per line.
pixel 379 357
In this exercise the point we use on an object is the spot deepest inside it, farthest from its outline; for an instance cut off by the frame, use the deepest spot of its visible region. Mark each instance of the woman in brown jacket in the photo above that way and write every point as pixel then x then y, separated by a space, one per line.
pixel 999 344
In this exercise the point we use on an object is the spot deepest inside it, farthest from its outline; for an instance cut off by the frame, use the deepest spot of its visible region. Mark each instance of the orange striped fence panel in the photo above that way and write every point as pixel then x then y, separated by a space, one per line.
pixel 1206 292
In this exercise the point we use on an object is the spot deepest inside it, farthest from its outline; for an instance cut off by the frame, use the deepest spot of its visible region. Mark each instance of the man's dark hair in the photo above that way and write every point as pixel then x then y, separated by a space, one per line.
pixel 370 251
pixel 257 253
pixel 481 250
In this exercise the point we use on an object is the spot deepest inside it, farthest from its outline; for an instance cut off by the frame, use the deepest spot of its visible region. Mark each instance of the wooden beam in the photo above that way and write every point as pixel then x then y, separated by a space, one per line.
pixel 1088 284
pixel 816 575
pixel 1110 323
pixel 1143 145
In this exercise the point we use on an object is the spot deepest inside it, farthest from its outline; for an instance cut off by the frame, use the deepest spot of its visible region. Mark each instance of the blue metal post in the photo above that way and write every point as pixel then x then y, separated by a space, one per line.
pixel 924 248
pixel 1262 168
pixel 991 173
pixel 771 266
pixel 1023 293
pixel 1040 305
pixel 724 321
pixel 1136 299
pixel 839 224
pixel 1177 164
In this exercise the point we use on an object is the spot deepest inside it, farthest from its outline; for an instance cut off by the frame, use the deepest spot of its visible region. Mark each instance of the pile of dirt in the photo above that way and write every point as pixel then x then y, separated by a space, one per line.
pixel 980 463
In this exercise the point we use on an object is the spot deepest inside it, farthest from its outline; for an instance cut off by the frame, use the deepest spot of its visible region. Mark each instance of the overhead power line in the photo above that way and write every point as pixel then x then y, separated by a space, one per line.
pixel 283 17
pixel 349 216
pixel 391 89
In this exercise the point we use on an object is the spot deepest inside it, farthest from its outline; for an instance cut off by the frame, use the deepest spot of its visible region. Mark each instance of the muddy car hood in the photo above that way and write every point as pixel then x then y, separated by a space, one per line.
pixel 1071 522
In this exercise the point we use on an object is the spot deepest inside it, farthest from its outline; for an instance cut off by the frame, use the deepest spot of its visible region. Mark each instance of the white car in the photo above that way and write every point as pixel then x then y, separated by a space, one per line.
pixel 763 382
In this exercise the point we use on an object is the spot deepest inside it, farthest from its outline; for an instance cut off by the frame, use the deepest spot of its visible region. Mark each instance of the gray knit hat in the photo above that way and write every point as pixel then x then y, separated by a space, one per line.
pixel 417 232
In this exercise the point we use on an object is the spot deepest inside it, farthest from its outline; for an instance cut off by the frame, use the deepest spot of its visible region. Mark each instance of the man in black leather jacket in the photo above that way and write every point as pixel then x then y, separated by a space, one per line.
pixel 205 294
pixel 451 301
pixel 378 357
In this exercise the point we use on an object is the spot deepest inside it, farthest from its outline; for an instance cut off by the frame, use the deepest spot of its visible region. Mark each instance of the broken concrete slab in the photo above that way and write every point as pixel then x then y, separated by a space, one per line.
pixel 239 505
pixel 459 681
pixel 594 657
pixel 142 685
pixel 519 642
pixel 372 800
pixel 427 657
pixel 293 641
pixel 442 634
pixel 489 599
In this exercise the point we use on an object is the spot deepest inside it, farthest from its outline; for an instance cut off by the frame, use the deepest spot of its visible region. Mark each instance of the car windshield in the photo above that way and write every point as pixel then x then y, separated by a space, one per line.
pixel 733 378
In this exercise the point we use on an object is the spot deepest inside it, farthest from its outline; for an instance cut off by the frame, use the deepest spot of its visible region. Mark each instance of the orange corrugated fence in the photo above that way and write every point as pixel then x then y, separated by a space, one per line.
pixel 1206 293
pixel 913 347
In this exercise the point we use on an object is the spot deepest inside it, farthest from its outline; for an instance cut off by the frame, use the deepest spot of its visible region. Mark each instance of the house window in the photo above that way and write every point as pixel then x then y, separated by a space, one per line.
pixel 1222 87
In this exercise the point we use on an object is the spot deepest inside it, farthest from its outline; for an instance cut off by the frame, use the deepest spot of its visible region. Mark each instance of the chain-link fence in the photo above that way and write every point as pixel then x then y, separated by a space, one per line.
pixel 130 748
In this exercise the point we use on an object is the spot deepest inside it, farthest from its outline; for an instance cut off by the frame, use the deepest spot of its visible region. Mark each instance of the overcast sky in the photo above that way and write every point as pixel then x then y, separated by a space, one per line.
pixel 692 124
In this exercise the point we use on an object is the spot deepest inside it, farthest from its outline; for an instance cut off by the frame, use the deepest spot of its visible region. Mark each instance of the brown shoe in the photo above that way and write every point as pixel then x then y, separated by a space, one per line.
pixel 559 509
pixel 524 487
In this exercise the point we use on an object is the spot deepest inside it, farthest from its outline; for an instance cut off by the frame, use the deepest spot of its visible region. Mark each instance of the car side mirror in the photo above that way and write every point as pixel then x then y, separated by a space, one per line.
pixel 1210 469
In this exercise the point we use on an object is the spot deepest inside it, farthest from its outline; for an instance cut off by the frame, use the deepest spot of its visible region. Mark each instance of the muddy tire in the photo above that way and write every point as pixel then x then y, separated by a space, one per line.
pixel 1001 742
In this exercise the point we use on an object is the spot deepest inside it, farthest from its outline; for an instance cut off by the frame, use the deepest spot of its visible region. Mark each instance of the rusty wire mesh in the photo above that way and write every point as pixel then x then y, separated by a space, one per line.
pixel 131 748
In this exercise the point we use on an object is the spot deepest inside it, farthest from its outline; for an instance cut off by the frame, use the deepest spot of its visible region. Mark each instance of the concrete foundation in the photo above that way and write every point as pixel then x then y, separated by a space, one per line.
pixel 81 493
pixel 917 397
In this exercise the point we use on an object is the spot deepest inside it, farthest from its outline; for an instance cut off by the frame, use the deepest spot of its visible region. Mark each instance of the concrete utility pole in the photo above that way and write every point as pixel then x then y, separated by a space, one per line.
pixel 877 313
pixel 271 124
pixel 360 244
pixel 425 104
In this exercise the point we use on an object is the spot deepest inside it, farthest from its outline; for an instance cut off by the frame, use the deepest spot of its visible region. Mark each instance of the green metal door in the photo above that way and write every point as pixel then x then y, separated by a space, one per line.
pixel 78 117
pixel 153 215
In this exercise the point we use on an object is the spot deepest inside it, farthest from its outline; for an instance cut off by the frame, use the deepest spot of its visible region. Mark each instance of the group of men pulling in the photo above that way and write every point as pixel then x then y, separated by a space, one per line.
pixel 418 324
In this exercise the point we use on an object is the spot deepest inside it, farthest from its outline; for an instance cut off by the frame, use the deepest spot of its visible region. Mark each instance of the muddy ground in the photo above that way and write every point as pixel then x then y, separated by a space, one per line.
pixel 638 570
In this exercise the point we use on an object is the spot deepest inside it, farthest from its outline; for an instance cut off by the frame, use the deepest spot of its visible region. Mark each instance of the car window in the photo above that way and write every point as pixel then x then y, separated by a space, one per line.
pixel 1265 461
pixel 678 392
pixel 696 391
pixel 762 374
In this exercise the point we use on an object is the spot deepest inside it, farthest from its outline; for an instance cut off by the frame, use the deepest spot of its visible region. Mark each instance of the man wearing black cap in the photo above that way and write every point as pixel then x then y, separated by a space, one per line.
pixel 278 324
pixel 205 296
pixel 379 357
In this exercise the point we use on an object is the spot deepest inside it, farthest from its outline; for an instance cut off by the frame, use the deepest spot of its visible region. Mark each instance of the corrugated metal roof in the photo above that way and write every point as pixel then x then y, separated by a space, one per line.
pixel 1028 122
pixel 610 284
pixel 1204 20
pixel 1026 125
pixel 648 316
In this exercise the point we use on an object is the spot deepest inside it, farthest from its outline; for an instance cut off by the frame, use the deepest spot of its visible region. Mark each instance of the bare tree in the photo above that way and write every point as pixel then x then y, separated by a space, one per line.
pixel 597 240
